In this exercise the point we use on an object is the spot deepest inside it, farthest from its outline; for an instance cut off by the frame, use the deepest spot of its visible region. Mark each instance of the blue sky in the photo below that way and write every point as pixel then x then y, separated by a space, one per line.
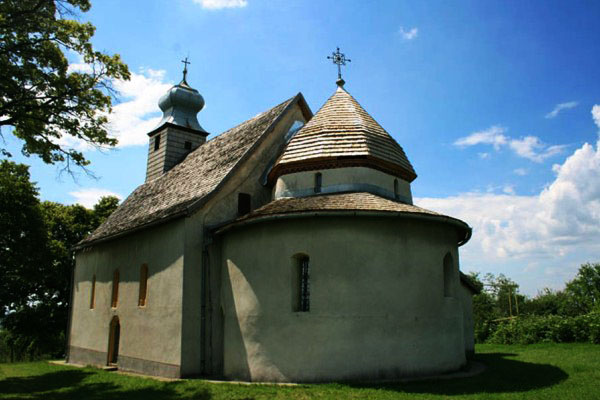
pixel 492 102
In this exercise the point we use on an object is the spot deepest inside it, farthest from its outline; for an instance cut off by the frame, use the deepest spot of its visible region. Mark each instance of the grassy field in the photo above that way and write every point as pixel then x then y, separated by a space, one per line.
pixel 543 371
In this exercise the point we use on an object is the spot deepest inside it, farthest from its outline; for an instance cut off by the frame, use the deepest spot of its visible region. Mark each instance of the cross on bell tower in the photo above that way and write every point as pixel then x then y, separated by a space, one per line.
pixel 185 71
pixel 339 59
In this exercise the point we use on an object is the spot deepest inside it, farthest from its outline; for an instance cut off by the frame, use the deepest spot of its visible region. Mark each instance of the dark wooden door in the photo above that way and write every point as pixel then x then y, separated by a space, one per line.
pixel 113 341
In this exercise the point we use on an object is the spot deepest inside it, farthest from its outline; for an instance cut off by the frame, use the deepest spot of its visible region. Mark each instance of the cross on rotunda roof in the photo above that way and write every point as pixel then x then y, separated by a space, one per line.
pixel 339 59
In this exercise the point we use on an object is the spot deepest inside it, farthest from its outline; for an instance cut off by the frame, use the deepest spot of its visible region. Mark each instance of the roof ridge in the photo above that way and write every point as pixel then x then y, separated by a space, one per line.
pixel 198 176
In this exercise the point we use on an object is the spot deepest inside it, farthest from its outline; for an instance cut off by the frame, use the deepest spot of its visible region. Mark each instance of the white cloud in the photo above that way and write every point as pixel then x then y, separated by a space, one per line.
pixel 493 135
pixel 138 112
pixel 520 171
pixel 530 147
pixel 89 197
pixel 560 107
pixel 218 4
pixel 547 235
pixel 596 114
pixel 484 155
pixel 409 34
pixel 135 114
pixel 538 240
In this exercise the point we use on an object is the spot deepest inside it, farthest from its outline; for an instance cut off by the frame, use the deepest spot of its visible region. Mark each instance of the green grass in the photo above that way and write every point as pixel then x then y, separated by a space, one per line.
pixel 541 371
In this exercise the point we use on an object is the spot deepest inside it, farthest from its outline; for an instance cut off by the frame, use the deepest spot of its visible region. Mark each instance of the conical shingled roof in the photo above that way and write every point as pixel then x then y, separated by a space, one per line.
pixel 342 134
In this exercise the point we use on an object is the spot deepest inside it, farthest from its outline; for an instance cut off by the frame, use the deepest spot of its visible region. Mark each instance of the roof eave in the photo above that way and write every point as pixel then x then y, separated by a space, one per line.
pixel 244 221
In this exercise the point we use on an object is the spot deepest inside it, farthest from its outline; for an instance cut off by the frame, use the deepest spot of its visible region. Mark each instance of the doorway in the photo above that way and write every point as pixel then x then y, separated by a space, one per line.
pixel 113 341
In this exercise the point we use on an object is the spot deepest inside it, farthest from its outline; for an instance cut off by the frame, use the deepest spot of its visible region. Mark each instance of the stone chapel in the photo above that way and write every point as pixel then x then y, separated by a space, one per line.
pixel 285 249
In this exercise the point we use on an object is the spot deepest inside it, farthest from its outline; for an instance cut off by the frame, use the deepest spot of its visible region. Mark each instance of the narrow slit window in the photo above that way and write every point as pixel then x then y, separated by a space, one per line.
pixel 143 285
pixel 115 289
pixel 396 194
pixel 301 284
pixel 448 275
pixel 156 142
pixel 93 293
pixel 318 182
pixel 244 203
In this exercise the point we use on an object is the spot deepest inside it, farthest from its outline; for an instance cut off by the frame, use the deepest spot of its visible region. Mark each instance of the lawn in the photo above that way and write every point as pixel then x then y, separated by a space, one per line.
pixel 542 371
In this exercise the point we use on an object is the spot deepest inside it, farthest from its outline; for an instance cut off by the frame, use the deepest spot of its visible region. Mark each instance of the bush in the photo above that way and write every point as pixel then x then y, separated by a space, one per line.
pixel 547 328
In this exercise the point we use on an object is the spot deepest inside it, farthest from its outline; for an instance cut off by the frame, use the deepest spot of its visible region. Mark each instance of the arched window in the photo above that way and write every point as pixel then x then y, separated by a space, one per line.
pixel 448 276
pixel 396 193
pixel 143 285
pixel 93 292
pixel 115 289
pixel 301 283
pixel 318 182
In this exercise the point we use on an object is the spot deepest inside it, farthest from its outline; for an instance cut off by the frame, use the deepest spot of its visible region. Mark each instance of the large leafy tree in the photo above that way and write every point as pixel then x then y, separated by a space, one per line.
pixel 36 261
pixel 41 98
pixel 23 240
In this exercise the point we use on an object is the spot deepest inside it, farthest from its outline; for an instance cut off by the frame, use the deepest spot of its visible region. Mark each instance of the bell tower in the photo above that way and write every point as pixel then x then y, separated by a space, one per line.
pixel 178 133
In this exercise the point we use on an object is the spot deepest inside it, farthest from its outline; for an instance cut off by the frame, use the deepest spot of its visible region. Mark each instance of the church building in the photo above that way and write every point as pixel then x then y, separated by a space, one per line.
pixel 285 249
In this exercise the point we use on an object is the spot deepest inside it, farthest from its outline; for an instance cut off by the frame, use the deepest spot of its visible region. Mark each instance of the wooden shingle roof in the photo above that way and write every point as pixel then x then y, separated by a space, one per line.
pixel 340 134
pixel 189 183
pixel 357 203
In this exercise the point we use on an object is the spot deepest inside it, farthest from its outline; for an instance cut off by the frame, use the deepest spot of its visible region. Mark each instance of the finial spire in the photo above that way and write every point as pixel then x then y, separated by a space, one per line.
pixel 339 59
pixel 185 71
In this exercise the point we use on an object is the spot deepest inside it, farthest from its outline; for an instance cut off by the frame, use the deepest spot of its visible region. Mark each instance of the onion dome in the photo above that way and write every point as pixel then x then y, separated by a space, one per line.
pixel 343 134
pixel 180 105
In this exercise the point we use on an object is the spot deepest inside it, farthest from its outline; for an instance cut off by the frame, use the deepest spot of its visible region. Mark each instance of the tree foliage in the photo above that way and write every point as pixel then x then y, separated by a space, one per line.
pixel 36 261
pixel 40 96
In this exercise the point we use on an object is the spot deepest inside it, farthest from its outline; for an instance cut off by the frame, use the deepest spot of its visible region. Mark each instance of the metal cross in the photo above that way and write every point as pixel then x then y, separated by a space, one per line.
pixel 185 64
pixel 339 59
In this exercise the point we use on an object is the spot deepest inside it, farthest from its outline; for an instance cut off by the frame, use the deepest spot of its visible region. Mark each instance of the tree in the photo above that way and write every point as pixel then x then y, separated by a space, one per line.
pixel 40 97
pixel 583 291
pixel 36 261
pixel 22 236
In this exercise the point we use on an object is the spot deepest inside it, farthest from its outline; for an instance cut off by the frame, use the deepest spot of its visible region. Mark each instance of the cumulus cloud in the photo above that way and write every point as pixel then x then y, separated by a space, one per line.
pixel 596 114
pixel 530 147
pixel 135 114
pixel 89 197
pixel 219 4
pixel 408 34
pixel 545 236
pixel 540 240
pixel 138 112
pixel 560 107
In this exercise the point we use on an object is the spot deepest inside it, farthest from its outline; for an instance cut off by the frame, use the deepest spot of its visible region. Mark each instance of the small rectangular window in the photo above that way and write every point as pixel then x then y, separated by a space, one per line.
pixel 156 142
pixel 143 285
pixel 115 289
pixel 93 293
pixel 188 145
pixel 244 204
pixel 318 182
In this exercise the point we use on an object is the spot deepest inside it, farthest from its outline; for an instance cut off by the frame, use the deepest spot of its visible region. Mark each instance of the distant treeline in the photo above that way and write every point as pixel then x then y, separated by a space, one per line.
pixel 504 316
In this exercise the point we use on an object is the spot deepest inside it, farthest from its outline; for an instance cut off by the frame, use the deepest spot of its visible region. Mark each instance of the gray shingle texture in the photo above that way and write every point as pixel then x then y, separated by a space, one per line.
pixel 188 182
pixel 360 201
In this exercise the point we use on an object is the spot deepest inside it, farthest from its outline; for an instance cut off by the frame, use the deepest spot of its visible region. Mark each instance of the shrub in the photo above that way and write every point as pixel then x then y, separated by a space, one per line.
pixel 547 328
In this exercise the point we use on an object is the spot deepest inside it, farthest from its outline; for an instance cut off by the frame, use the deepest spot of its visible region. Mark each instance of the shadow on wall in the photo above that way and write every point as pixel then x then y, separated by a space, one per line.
pixel 503 375
pixel 74 384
